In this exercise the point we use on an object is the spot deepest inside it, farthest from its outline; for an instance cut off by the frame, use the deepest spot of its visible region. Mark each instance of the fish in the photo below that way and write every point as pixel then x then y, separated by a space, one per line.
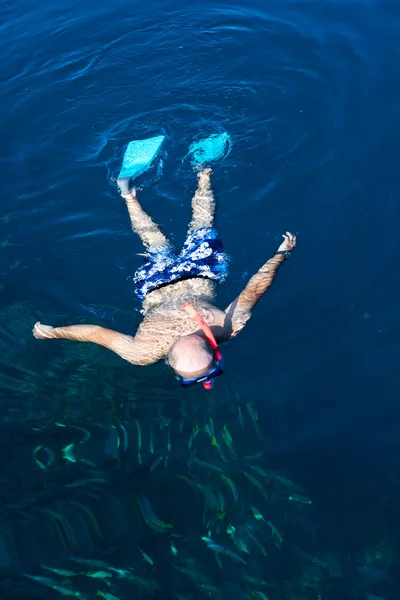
pixel 150 518
pixel 85 461
pixel 139 434
pixel 278 539
pixel 256 513
pixel 146 584
pixel 241 544
pixel 253 580
pixel 209 427
pixel 39 579
pixel 54 586
pixel 231 485
pixel 255 456
pixel 99 564
pixel 182 409
pixel 195 433
pixel 214 443
pixel 219 562
pixel 152 439
pixel 253 480
pixel 113 443
pixel 191 482
pixel 298 498
pixel 260 471
pixel 257 543
pixel 68 453
pixel 209 497
pixel 169 439
pixel 226 436
pixel 125 438
pixel 106 595
pixel 254 417
pixel 210 524
pixel 156 463
pixel 90 517
pixel 88 481
pixel 99 575
pixel 285 482
pixel 67 592
pixel 49 454
pixel 120 572
pixel 192 572
pixel 146 557
pixel 261 595
pixel 206 466
pixel 62 525
pixel 252 411
pixel 61 572
pixel 86 434
pixel 162 421
pixel 221 499
pixel 223 550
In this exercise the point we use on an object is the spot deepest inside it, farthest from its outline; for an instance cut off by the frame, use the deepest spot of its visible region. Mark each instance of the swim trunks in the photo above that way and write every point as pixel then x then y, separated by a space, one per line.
pixel 202 255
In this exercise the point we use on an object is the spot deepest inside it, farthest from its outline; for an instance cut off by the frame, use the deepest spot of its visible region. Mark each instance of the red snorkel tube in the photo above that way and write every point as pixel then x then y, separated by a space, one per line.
pixel 189 308
pixel 208 384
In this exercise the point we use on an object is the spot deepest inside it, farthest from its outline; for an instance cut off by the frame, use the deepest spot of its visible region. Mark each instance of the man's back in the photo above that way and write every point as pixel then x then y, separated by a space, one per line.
pixel 165 321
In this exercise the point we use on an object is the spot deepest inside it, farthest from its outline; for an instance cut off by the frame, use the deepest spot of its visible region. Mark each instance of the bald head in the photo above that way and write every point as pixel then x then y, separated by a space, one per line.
pixel 191 356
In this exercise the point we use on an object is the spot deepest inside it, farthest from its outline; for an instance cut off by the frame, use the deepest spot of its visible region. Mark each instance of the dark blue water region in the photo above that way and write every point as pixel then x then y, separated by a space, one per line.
pixel 309 93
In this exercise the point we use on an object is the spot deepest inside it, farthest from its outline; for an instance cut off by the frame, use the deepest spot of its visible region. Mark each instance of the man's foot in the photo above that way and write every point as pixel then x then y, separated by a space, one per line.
pixel 124 186
pixel 130 195
pixel 204 178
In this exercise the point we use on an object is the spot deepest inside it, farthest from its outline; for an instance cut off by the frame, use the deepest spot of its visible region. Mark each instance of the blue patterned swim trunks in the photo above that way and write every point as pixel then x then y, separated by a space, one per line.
pixel 202 255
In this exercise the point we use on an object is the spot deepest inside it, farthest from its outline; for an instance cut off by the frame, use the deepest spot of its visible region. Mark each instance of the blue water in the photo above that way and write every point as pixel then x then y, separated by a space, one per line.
pixel 310 95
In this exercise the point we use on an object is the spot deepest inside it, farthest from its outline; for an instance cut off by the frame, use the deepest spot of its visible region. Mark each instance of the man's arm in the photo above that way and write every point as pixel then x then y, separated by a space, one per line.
pixel 127 347
pixel 239 311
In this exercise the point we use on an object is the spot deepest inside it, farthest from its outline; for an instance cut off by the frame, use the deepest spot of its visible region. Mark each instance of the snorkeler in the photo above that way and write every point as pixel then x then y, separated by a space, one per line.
pixel 180 320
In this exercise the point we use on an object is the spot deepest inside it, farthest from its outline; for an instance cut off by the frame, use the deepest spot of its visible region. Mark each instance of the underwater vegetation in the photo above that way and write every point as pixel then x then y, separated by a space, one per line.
pixel 111 490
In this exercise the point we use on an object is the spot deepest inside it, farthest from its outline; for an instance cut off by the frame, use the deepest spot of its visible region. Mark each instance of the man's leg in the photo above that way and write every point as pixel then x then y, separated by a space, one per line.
pixel 203 203
pixel 142 224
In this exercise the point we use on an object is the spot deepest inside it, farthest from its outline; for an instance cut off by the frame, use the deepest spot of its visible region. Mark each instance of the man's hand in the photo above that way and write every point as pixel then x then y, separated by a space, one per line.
pixel 135 350
pixel 42 332
pixel 239 312
pixel 289 242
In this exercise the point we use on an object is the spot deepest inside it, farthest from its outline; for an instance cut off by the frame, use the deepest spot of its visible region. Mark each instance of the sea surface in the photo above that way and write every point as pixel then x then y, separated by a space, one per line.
pixel 283 483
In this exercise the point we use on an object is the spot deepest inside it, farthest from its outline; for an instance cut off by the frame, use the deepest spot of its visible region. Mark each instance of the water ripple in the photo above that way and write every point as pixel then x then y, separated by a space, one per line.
pixel 293 85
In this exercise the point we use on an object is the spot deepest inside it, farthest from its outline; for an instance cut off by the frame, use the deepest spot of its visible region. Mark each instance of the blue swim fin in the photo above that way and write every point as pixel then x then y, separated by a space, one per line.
pixel 138 157
pixel 210 149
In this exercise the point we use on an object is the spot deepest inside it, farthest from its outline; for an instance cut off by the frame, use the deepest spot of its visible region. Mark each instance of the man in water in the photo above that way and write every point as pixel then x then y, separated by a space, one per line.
pixel 169 280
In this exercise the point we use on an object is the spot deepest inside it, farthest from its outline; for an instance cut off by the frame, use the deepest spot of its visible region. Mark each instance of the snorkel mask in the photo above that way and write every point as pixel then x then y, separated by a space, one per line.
pixel 216 369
